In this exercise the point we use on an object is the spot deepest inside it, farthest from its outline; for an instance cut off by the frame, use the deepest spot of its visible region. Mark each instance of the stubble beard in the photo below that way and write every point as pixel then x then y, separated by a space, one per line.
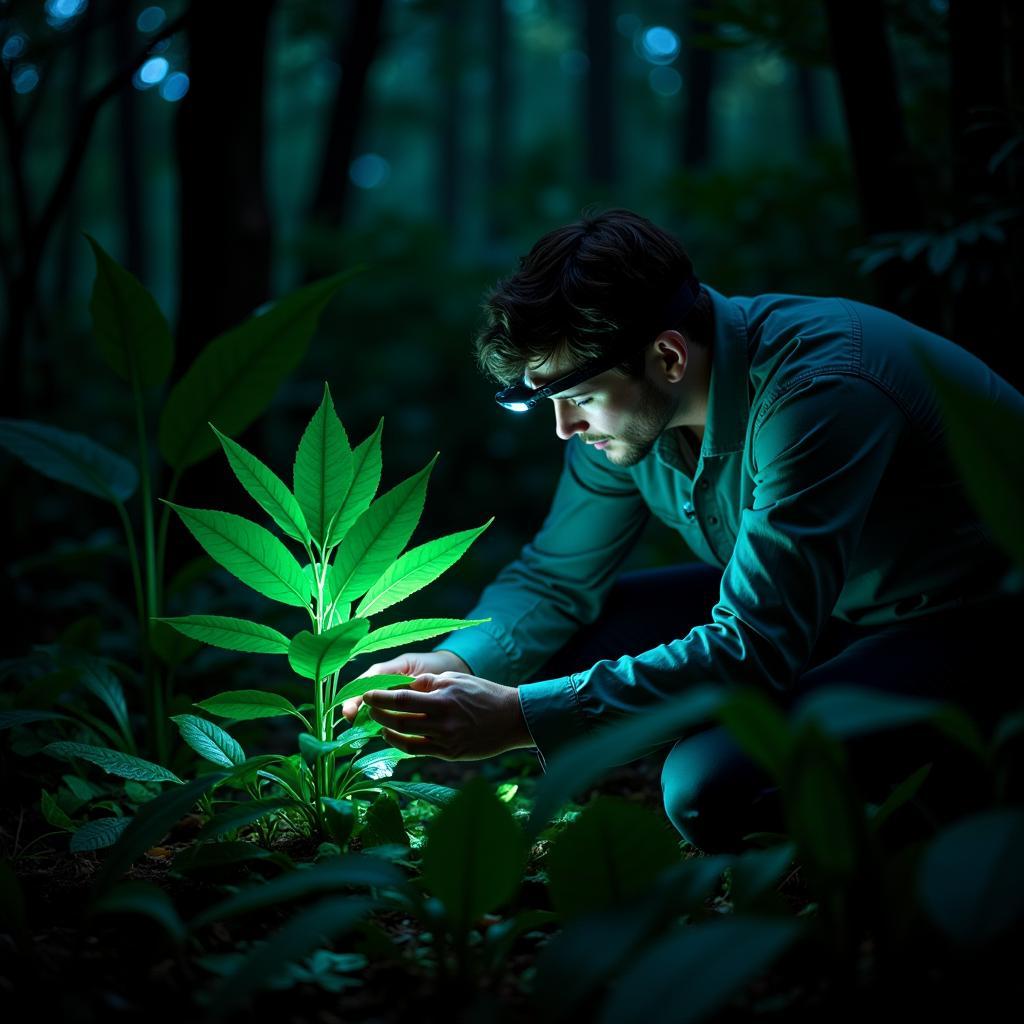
pixel 653 414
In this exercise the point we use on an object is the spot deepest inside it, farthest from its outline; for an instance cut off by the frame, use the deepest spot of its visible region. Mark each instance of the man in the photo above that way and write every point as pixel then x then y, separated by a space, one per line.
pixel 797 446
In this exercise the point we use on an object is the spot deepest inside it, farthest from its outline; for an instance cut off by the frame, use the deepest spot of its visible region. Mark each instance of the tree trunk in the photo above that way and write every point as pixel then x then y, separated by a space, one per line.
pixel 886 185
pixel 357 50
pixel 602 137
pixel 225 223
pixel 701 65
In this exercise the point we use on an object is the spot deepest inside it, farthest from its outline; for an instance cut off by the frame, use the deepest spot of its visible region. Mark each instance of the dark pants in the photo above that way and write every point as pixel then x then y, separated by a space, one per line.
pixel 714 794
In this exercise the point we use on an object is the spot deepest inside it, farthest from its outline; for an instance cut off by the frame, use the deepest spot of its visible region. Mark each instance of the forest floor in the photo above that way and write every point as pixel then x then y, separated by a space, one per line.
pixel 81 970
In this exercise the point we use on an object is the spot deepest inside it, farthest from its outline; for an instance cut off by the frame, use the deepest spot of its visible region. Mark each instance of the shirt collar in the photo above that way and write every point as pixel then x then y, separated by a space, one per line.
pixel 728 390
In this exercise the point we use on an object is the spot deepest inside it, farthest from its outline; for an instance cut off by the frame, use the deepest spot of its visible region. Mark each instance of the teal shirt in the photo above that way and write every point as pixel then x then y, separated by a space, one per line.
pixel 823 486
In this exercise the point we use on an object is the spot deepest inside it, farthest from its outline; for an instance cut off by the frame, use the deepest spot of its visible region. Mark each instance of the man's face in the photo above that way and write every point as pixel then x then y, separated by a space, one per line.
pixel 621 415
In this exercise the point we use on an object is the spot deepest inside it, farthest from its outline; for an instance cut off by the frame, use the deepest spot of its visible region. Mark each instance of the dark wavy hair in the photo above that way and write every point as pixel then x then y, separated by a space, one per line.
pixel 584 289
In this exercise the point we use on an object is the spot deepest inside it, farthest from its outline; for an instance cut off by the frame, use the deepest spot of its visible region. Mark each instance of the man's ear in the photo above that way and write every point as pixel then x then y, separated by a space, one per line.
pixel 672 354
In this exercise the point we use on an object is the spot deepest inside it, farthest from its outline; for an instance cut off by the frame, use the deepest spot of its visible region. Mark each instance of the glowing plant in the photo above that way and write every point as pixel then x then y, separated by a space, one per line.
pixel 353 545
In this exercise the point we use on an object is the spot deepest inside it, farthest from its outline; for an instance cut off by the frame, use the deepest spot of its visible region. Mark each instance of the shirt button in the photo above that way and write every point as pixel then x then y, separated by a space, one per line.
pixel 712 520
pixel 688 511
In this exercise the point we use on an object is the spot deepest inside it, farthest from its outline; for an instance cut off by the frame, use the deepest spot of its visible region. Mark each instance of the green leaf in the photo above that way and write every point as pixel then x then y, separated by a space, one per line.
pixel 398 634
pixel 379 534
pixel 359 686
pixel 311 748
pixel 153 821
pixel 98 834
pixel 98 679
pixel 983 437
pixel 113 762
pixel 266 488
pixel 340 818
pixel 380 764
pixel 416 568
pixel 432 793
pixel 130 330
pixel 245 705
pixel 474 854
pixel 234 378
pixel 323 922
pixel 249 552
pixel 846 711
pixel 231 634
pixel 70 458
pixel 148 900
pixel 755 872
pixel 316 655
pixel 582 762
pixel 53 813
pixel 905 791
pixel 608 855
pixel 718 959
pixel 242 814
pixel 328 876
pixel 824 811
pixel 383 823
pixel 759 727
pixel 366 470
pixel 220 860
pixel 209 740
pixel 322 473
pixel 970 882
pixel 26 716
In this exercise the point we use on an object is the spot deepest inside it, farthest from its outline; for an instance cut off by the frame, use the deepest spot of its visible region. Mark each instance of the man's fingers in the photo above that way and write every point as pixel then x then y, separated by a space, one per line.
pixel 411 744
pixel 399 699
pixel 417 724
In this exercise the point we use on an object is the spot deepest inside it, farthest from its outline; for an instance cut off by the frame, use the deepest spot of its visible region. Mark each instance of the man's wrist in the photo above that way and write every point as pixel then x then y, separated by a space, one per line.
pixel 460 664
pixel 520 731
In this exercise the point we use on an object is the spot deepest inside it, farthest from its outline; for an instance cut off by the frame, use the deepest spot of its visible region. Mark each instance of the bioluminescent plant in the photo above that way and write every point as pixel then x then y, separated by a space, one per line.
pixel 354 569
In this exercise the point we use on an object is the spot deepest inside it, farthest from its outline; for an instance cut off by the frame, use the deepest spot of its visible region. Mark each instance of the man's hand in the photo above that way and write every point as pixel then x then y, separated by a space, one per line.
pixel 453 716
pixel 412 664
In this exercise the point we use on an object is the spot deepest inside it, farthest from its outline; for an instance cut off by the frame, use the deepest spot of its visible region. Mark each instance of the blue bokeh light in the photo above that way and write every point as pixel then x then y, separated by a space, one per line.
pixel 60 12
pixel 150 19
pixel 14 46
pixel 25 78
pixel 174 87
pixel 154 70
pixel 369 171
pixel 660 45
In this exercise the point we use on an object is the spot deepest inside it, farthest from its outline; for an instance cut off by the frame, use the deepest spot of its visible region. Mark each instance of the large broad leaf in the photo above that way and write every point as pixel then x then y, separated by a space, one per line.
pixel 970 882
pixel 153 821
pixel 366 470
pixel 328 876
pixel 98 834
pixel 431 792
pixel 398 634
pixel 608 856
pixel 241 815
pixel 101 682
pixel 582 762
pixel 113 762
pixel 235 376
pixel 244 705
pixel 696 970
pixel 311 928
pixel 130 330
pixel 380 764
pixel 70 458
pixel 249 552
pixel 984 440
pixel 474 855
pixel 210 741
pixel 416 568
pixel 266 488
pixel 316 655
pixel 379 534
pixel 231 634
pixel 323 469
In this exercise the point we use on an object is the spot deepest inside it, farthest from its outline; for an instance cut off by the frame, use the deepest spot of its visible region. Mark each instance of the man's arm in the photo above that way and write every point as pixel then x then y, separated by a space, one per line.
pixel 819 453
pixel 561 577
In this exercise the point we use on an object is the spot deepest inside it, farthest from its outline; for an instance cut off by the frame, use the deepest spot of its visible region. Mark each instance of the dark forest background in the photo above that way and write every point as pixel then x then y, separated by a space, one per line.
pixel 227 153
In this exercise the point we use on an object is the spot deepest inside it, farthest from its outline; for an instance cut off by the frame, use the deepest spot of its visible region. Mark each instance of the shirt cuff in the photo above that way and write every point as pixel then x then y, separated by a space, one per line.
pixel 553 715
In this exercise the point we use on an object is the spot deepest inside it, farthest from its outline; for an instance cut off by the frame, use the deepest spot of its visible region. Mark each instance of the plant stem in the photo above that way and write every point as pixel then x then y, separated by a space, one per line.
pixel 161 545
